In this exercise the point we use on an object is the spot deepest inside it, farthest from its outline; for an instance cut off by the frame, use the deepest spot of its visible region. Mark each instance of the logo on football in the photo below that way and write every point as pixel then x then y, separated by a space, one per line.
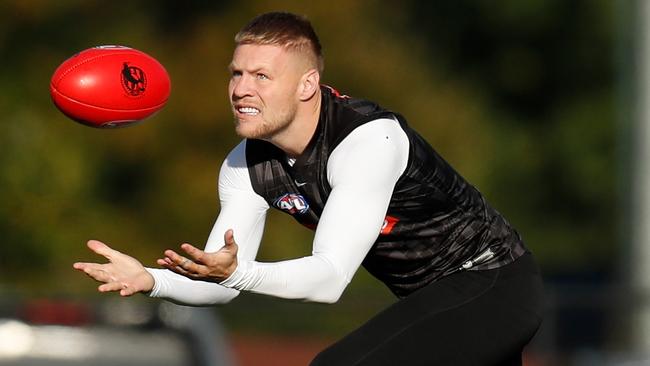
pixel 134 80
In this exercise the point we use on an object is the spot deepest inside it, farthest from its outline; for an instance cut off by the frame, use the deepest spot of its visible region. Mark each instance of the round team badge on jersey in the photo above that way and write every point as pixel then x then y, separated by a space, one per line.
pixel 292 203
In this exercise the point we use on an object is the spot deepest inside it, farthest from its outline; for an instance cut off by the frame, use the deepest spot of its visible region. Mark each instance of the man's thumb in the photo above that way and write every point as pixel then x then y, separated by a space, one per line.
pixel 229 239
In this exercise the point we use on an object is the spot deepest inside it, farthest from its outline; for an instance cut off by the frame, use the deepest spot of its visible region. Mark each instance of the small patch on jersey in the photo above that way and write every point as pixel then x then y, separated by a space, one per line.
pixel 292 203
pixel 389 223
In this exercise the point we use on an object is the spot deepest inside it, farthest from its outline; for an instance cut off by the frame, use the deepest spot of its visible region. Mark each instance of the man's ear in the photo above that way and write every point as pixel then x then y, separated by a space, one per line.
pixel 309 84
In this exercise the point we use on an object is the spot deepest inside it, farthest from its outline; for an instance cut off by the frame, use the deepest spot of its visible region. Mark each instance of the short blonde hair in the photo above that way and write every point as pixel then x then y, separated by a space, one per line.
pixel 283 29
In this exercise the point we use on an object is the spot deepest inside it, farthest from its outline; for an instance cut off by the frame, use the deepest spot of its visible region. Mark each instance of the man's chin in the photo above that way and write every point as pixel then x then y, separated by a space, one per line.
pixel 259 130
pixel 241 129
pixel 248 133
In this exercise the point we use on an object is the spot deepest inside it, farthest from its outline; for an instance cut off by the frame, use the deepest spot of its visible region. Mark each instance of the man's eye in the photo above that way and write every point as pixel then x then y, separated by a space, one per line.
pixel 235 73
pixel 262 76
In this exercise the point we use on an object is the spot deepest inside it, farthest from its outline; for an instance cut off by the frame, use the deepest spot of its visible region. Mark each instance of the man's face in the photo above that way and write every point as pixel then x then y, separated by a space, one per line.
pixel 263 89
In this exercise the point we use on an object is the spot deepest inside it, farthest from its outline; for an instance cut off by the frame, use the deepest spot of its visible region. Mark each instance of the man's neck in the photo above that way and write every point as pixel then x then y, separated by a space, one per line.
pixel 293 140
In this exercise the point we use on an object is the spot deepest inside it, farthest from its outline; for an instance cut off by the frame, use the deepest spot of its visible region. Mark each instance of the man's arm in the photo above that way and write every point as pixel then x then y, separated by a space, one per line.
pixel 241 209
pixel 362 172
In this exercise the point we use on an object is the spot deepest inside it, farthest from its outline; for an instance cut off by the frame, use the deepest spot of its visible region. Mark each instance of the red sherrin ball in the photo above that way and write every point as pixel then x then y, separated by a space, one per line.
pixel 110 86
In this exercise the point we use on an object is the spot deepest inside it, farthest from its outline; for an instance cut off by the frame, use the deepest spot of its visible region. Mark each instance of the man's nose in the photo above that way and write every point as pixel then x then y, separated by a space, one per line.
pixel 242 87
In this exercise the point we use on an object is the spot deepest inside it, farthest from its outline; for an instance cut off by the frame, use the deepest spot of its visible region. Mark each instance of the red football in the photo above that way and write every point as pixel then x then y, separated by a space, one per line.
pixel 110 86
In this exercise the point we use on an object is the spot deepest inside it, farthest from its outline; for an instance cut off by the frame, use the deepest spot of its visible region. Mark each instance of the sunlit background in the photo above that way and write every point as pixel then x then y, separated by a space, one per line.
pixel 535 102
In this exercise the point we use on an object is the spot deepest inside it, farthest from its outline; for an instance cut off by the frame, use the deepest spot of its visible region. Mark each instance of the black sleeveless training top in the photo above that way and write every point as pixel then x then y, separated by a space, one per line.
pixel 436 222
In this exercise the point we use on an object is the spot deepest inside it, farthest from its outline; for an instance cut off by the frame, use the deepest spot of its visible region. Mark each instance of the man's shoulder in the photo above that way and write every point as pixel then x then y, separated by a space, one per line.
pixel 351 107
pixel 344 114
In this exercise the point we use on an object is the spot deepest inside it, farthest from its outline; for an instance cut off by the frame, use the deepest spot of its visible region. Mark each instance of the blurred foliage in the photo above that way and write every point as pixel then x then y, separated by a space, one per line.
pixel 519 97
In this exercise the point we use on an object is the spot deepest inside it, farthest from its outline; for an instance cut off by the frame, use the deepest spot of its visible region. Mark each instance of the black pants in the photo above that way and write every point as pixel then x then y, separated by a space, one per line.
pixel 467 318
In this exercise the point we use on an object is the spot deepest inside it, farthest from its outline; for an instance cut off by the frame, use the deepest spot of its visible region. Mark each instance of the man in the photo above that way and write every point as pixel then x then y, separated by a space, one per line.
pixel 375 193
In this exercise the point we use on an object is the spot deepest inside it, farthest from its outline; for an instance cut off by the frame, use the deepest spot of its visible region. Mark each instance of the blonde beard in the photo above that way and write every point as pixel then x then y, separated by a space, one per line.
pixel 267 129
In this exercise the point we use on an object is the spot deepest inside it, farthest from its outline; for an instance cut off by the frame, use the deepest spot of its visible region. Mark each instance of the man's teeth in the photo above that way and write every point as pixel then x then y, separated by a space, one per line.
pixel 249 110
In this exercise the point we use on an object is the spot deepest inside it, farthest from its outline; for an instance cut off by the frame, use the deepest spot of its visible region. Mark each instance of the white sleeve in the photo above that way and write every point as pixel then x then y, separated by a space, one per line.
pixel 242 210
pixel 362 172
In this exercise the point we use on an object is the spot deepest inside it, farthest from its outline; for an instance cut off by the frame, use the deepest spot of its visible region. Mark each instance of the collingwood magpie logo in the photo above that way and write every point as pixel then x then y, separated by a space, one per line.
pixel 134 80
pixel 292 203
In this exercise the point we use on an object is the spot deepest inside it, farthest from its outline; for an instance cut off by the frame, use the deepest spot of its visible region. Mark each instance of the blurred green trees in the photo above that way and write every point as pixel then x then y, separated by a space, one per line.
pixel 519 97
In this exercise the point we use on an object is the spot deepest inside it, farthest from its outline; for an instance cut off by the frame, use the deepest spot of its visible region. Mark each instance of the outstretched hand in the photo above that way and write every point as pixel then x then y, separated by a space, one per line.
pixel 213 267
pixel 122 273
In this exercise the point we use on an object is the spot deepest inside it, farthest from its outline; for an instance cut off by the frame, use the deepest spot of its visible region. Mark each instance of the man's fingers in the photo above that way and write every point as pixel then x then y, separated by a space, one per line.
pixel 79 266
pixel 194 252
pixel 82 266
pixel 190 267
pixel 174 259
pixel 94 270
pixel 177 268
pixel 172 255
pixel 182 265
pixel 128 291
pixel 111 286
pixel 101 248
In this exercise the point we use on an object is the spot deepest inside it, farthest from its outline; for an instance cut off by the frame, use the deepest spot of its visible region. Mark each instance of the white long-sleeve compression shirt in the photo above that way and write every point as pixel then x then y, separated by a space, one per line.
pixel 362 169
